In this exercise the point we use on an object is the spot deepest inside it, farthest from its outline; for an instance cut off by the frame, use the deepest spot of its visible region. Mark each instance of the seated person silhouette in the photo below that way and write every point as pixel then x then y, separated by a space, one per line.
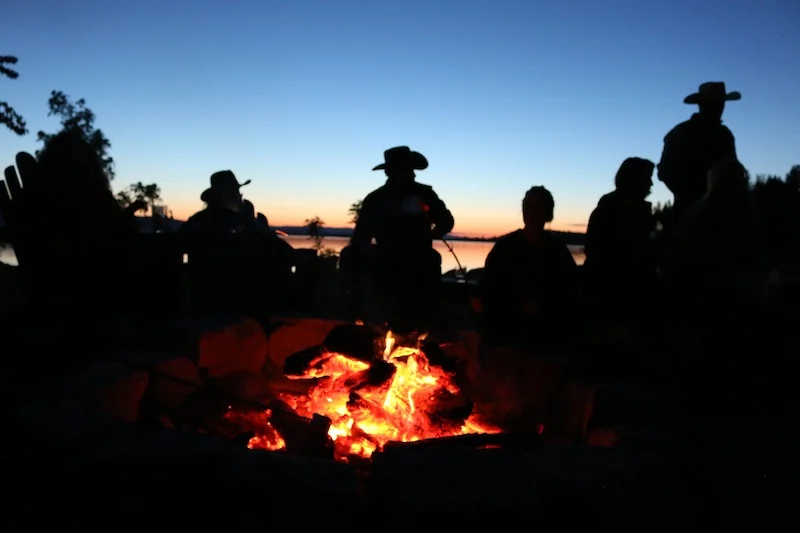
pixel 620 265
pixel 529 288
pixel 404 217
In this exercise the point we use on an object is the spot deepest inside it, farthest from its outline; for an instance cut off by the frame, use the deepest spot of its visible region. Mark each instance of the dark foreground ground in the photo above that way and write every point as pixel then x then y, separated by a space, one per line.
pixel 704 437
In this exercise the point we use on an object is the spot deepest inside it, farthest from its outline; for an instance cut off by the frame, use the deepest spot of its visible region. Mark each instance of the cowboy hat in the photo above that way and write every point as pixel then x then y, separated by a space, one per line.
pixel 402 157
pixel 224 179
pixel 712 91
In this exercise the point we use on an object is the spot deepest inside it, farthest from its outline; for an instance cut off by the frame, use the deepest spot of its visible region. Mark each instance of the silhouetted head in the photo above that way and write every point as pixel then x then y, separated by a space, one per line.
pixel 634 178
pixel 224 191
pixel 248 209
pixel 727 181
pixel 69 161
pixel 400 163
pixel 537 207
pixel 262 219
pixel 710 98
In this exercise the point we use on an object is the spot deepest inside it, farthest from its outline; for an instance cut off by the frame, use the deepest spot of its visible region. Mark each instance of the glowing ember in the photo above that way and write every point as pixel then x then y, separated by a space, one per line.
pixel 394 399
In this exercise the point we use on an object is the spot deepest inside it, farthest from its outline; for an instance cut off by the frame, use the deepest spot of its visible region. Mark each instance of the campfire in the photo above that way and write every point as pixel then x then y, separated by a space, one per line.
pixel 398 395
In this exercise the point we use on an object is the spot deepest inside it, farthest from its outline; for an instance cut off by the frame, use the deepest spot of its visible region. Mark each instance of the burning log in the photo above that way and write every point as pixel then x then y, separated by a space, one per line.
pixel 298 364
pixel 368 401
pixel 354 341
pixel 437 357
pixel 302 436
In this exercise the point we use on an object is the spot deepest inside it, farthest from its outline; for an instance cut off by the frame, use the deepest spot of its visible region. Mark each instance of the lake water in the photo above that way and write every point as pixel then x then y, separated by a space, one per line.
pixel 471 254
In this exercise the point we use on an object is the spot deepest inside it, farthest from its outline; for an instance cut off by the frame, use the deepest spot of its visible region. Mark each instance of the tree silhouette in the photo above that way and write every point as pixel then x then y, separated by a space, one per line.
pixel 314 227
pixel 793 177
pixel 78 118
pixel 124 198
pixel 150 194
pixel 8 117
pixel 354 211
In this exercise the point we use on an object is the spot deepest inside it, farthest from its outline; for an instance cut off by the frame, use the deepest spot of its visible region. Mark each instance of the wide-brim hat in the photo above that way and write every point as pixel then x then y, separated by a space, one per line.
pixel 224 179
pixel 712 91
pixel 402 157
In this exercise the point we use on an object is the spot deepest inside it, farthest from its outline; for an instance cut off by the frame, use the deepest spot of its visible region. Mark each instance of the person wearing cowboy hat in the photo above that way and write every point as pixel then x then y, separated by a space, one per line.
pixel 693 147
pixel 224 276
pixel 404 217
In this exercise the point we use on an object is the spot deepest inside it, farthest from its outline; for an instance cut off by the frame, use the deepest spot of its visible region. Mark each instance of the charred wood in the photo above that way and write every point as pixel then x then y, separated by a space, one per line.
pixel 355 341
pixel 437 357
pixel 303 436
pixel 473 440
pixel 298 364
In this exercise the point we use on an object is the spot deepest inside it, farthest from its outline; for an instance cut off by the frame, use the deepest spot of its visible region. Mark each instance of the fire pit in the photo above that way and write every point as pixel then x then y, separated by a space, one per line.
pixel 361 400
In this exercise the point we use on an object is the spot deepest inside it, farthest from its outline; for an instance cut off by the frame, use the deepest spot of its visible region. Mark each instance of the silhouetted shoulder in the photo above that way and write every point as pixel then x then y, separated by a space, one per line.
pixel 509 240
pixel 678 131
pixel 377 194
pixel 726 130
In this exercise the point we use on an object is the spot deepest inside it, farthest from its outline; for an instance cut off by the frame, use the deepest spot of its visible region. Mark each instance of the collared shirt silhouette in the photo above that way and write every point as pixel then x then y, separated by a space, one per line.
pixel 403 216
pixel 692 147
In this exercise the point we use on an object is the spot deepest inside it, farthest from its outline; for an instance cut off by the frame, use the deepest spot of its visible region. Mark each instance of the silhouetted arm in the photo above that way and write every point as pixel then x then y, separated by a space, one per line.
pixel 728 145
pixel 441 218
pixel 364 231
pixel 669 168
pixel 602 245
pixel 569 277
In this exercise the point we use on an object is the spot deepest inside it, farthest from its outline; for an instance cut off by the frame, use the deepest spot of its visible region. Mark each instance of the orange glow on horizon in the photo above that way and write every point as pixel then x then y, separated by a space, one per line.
pixel 476 229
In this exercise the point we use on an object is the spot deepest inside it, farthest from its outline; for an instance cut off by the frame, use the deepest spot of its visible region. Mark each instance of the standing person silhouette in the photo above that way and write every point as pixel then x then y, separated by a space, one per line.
pixel 404 217
pixel 694 146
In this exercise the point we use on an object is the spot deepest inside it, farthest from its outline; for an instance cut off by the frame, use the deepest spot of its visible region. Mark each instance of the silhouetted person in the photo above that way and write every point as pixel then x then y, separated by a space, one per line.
pixel 717 241
pixel 529 287
pixel 620 263
pixel 404 217
pixel 248 209
pixel 217 258
pixel 270 256
pixel 692 147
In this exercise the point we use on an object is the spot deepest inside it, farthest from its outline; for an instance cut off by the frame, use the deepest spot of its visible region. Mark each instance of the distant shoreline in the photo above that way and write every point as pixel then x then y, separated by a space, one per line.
pixel 569 238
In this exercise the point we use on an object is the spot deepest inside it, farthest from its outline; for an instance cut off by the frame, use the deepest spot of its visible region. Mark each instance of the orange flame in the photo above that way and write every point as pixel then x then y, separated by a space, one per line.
pixel 366 414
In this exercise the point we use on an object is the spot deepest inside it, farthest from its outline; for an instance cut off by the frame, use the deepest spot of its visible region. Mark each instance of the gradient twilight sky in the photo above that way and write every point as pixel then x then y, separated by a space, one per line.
pixel 303 96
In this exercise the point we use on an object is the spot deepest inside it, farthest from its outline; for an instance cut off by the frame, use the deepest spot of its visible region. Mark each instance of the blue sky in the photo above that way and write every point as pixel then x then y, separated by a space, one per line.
pixel 303 96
